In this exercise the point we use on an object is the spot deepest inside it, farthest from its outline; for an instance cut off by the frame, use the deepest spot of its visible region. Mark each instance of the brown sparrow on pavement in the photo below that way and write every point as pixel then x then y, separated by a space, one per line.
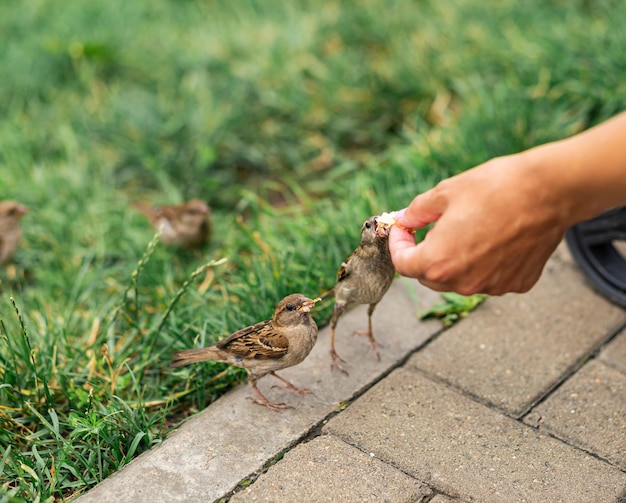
pixel 363 278
pixel 187 224
pixel 10 230
pixel 264 348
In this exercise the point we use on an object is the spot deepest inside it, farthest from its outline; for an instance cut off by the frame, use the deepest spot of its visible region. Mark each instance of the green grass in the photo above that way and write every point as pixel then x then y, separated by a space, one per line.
pixel 294 120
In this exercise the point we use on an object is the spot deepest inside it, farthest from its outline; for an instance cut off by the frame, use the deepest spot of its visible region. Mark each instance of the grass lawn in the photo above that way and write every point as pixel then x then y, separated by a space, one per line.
pixel 294 120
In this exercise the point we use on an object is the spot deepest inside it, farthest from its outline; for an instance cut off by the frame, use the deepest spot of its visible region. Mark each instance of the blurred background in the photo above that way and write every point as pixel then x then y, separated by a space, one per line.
pixel 294 121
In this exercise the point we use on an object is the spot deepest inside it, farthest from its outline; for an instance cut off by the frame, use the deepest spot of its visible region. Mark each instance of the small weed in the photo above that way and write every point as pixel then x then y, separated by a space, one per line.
pixel 453 307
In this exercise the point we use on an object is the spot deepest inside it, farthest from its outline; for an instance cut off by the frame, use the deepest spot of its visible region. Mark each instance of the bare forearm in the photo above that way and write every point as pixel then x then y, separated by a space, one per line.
pixel 586 172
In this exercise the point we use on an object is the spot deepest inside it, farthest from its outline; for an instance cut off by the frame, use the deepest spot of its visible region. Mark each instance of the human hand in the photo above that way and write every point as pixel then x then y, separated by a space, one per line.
pixel 496 226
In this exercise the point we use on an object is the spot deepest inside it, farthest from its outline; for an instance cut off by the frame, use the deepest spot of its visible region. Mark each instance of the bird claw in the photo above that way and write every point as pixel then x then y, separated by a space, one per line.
pixel 373 343
pixel 295 389
pixel 335 362
pixel 270 405
pixel 290 386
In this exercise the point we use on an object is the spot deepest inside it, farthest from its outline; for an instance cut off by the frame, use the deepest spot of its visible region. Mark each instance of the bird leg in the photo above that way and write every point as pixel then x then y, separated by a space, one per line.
pixel 335 359
pixel 264 401
pixel 369 333
pixel 290 385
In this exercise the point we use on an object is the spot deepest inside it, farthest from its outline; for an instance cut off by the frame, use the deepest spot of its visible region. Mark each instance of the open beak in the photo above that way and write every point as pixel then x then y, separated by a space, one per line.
pixel 384 223
pixel 308 304
pixel 382 229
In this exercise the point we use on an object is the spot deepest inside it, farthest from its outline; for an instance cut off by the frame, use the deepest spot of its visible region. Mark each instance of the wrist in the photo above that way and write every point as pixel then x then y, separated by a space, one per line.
pixel 577 184
pixel 588 170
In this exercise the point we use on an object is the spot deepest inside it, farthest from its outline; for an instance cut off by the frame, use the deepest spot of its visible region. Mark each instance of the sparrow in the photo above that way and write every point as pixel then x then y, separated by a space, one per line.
pixel 363 278
pixel 10 230
pixel 187 224
pixel 264 348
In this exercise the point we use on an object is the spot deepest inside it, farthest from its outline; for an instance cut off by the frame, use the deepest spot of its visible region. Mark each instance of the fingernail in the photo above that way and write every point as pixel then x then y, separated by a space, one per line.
pixel 399 214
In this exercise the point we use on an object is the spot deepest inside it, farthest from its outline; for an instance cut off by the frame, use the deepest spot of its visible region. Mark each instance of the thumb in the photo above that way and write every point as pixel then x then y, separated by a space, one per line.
pixel 423 210
pixel 406 255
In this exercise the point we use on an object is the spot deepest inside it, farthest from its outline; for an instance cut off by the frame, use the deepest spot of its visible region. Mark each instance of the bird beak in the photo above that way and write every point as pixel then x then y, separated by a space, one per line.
pixel 308 304
pixel 22 210
pixel 385 221
pixel 382 229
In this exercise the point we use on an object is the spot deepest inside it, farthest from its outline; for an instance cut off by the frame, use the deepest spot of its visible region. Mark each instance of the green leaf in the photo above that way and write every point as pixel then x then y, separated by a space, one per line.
pixel 453 307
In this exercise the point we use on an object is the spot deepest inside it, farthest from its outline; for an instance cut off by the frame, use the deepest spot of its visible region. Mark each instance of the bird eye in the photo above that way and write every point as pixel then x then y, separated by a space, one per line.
pixel 367 225
pixel 290 307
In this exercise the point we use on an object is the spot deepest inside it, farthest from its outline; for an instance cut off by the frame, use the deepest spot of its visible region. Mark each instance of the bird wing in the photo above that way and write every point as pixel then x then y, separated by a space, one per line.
pixel 156 214
pixel 260 341
pixel 145 209
pixel 344 269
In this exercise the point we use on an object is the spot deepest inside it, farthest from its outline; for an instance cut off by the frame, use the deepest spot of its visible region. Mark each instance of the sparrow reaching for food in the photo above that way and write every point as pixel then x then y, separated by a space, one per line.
pixel 10 230
pixel 187 224
pixel 363 278
pixel 264 348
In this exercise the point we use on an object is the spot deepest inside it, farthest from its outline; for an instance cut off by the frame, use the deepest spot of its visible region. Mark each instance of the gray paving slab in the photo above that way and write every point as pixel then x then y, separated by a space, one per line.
pixel 468 451
pixel 516 348
pixel 233 438
pixel 614 353
pixel 327 469
pixel 562 253
pixel 589 411
pixel 440 498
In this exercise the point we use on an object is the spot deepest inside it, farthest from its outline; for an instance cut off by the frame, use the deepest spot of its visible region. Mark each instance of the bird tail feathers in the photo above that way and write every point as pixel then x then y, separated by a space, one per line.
pixel 147 210
pixel 188 356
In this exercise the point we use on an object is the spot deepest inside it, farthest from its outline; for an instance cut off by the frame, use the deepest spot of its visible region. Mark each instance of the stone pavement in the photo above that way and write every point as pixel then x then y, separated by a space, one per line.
pixel 522 401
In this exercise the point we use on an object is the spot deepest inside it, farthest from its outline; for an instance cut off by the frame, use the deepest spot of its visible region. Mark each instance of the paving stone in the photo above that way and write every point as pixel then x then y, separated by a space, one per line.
pixel 588 410
pixel 233 438
pixel 440 498
pixel 562 253
pixel 327 469
pixel 614 353
pixel 514 349
pixel 468 451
